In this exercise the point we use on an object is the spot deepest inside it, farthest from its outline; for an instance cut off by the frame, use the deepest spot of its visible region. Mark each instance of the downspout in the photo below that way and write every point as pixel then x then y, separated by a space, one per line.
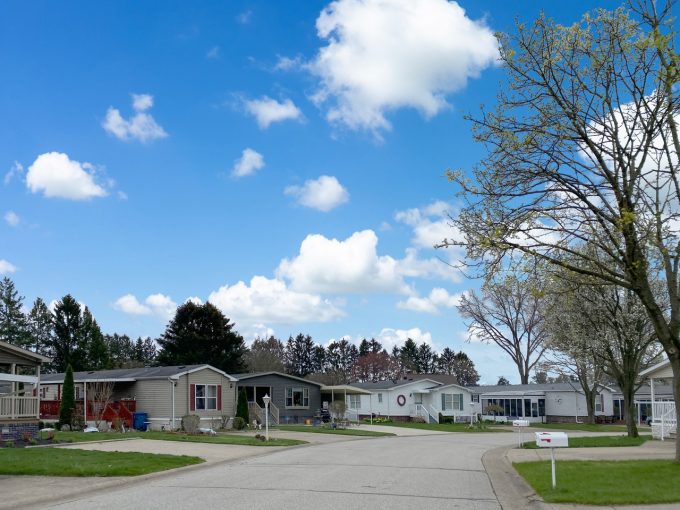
pixel 172 382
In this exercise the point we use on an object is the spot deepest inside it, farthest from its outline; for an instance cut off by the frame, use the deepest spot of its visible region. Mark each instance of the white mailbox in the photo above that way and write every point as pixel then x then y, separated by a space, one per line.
pixel 552 440
pixel 520 423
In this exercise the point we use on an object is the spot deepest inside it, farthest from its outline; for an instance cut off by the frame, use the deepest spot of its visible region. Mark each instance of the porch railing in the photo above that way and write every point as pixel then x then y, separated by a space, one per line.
pixel 664 420
pixel 18 407
pixel 255 412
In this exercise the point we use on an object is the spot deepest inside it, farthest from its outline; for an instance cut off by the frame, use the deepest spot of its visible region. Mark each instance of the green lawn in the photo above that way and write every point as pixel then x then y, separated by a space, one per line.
pixel 73 462
pixel 605 482
pixel 587 427
pixel 240 439
pixel 444 427
pixel 593 441
pixel 327 430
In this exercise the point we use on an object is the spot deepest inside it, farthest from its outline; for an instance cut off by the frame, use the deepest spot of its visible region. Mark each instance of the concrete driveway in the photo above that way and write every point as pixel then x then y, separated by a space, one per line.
pixel 426 472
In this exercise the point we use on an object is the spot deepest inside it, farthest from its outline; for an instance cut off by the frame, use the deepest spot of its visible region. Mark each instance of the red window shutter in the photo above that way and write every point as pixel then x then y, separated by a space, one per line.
pixel 192 397
pixel 219 397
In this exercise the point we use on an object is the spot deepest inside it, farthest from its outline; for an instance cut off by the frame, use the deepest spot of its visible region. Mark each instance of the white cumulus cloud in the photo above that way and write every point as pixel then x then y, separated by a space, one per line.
pixel 323 194
pixel 16 171
pixel 334 266
pixel 390 337
pixel 268 111
pixel 55 175
pixel 141 126
pixel 250 162
pixel 156 304
pixel 382 55
pixel 7 267
pixel 12 219
pixel 269 301
pixel 439 298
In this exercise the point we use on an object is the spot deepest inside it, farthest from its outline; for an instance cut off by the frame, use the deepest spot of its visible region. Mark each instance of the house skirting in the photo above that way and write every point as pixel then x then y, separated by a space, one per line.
pixel 564 419
pixel 16 430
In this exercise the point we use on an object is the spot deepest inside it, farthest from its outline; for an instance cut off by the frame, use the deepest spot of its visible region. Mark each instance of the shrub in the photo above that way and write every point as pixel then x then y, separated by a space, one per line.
pixel 9 444
pixel 117 424
pixel 338 409
pixel 50 435
pixel 224 421
pixel 445 419
pixel 239 423
pixel 68 398
pixel 190 423
pixel 242 406
pixel 32 441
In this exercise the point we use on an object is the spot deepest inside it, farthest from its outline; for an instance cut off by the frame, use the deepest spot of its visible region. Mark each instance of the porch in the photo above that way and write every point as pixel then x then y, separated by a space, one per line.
pixel 663 418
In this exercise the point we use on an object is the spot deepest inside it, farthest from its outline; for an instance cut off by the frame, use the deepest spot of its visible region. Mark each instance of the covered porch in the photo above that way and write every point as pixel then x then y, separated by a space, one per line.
pixel 663 418
pixel 19 398
pixel 349 394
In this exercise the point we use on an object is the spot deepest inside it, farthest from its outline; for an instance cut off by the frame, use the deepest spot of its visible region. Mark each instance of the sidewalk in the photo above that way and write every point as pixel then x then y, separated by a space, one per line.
pixel 515 494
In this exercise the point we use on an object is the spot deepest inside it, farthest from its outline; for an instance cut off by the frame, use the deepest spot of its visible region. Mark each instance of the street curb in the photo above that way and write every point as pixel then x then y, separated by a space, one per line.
pixel 512 492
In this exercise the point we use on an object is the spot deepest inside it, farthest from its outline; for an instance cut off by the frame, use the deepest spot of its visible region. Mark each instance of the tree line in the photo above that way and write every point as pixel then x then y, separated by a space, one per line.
pixel 200 333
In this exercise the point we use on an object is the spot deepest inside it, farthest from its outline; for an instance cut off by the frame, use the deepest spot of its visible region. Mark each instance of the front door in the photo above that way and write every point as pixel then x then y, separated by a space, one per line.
pixel 418 398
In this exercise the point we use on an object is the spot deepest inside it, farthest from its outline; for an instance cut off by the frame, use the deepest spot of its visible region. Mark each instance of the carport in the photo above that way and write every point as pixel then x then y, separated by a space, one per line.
pixel 346 390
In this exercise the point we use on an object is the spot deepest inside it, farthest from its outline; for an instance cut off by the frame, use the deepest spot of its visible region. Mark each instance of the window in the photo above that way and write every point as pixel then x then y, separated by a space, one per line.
pixel 541 407
pixel 297 396
pixel 527 407
pixel 379 398
pixel 206 397
pixel 599 403
pixel 475 397
pixel 43 393
pixel 452 402
pixel 354 401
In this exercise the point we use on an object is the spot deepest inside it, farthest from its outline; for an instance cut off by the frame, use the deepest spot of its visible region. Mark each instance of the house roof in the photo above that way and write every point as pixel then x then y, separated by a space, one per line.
pixel 391 384
pixel 349 389
pixel 441 378
pixel 133 374
pixel 242 377
pixel 655 368
pixel 516 389
pixel 24 353
pixel 645 391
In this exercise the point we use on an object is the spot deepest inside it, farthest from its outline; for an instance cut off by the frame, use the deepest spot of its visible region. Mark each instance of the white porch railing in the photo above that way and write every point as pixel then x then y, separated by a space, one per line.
pixel 434 414
pixel 273 414
pixel 664 421
pixel 19 407
pixel 420 411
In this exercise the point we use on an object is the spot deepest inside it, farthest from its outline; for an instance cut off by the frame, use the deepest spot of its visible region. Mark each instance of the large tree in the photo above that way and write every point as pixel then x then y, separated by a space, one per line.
pixel 97 352
pixel 509 313
pixel 13 323
pixel 201 334
pixel 583 146
pixel 299 355
pixel 266 355
pixel 41 327
pixel 68 344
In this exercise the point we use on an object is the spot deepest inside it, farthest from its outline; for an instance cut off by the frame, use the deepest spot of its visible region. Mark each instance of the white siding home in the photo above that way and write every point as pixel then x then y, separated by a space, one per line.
pixel 400 400
pixel 663 418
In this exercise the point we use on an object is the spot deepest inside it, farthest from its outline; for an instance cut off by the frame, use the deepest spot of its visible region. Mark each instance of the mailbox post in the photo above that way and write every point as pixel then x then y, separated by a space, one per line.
pixel 552 440
pixel 520 424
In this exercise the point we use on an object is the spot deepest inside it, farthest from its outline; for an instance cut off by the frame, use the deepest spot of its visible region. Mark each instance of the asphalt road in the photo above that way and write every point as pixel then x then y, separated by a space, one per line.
pixel 433 471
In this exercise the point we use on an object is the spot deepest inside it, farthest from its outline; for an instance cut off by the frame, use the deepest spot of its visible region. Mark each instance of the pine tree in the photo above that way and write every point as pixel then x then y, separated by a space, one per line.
pixel 68 398
pixel 68 347
pixel 41 327
pixel 201 334
pixel 13 323
pixel 97 352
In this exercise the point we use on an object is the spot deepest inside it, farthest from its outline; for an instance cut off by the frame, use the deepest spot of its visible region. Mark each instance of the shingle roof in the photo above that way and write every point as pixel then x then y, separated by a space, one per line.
pixel 523 388
pixel 251 375
pixel 130 374
pixel 389 384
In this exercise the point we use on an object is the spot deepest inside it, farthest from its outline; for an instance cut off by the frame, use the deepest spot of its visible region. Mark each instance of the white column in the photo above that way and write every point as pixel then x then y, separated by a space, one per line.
pixel 651 387
pixel 85 401
pixel 14 390
pixel 37 390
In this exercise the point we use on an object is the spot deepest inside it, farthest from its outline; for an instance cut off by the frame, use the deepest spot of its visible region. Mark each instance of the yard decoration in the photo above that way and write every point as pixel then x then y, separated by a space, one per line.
pixel 401 400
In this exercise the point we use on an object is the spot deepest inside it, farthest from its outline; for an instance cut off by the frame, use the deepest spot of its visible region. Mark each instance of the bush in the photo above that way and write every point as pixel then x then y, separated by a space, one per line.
pixel 32 442
pixel 445 419
pixel 9 444
pixel 239 423
pixel 190 423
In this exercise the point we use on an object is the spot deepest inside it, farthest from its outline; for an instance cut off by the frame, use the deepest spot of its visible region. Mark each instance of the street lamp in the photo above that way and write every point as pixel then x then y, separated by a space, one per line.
pixel 266 400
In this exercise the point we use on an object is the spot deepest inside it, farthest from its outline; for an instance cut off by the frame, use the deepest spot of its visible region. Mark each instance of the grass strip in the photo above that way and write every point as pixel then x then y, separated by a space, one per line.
pixel 587 427
pixel 328 430
pixel 605 482
pixel 237 439
pixel 445 427
pixel 74 462
pixel 597 441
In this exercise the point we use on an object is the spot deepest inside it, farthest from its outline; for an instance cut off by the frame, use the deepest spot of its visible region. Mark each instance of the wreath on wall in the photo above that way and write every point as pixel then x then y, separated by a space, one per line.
pixel 401 400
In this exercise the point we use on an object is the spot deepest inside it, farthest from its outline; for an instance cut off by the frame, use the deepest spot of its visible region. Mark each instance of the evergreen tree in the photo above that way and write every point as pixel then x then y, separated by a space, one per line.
pixel 266 355
pixel 242 406
pixel 424 359
pixel 502 381
pixel 121 350
pixel 464 370
pixel 68 398
pixel 300 355
pixel 13 323
pixel 408 355
pixel 145 351
pixel 97 352
pixel 41 328
pixel 446 361
pixel 68 345
pixel 201 334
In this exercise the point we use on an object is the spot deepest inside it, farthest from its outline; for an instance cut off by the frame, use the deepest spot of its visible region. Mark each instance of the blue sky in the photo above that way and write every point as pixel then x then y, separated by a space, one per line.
pixel 284 160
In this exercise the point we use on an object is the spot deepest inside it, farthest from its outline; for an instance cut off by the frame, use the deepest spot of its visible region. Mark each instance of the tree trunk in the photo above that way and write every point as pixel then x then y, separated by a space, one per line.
pixel 628 391
pixel 590 405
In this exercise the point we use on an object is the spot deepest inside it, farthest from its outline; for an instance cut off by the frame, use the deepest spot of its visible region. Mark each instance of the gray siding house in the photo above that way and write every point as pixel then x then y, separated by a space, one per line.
pixel 293 399
pixel 165 393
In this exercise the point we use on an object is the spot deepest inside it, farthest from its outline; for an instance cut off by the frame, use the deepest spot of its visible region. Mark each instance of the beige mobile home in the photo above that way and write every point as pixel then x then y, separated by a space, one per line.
pixel 165 394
